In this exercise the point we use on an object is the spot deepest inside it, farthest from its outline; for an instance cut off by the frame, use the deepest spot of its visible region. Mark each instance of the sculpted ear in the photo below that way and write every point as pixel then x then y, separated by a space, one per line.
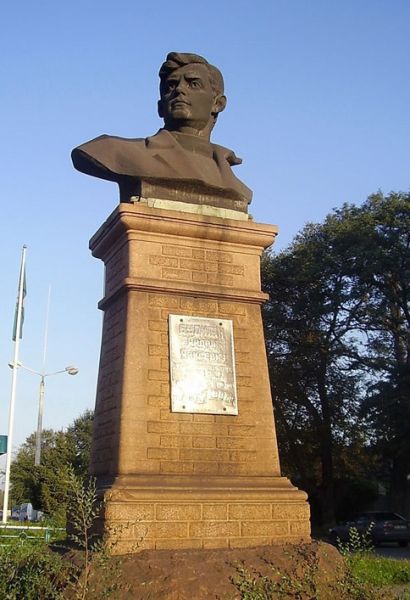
pixel 160 109
pixel 219 104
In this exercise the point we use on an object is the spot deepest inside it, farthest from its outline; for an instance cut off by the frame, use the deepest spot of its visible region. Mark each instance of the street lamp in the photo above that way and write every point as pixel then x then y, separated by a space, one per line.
pixel 71 371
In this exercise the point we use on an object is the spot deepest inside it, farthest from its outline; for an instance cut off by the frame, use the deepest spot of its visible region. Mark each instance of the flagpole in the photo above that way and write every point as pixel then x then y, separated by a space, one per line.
pixel 14 382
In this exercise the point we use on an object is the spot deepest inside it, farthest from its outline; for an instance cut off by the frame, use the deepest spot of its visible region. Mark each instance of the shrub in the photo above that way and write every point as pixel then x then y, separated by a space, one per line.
pixel 32 572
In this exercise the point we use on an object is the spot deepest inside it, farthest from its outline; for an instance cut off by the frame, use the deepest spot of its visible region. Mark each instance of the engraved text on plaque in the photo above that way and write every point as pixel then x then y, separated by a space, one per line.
pixel 202 365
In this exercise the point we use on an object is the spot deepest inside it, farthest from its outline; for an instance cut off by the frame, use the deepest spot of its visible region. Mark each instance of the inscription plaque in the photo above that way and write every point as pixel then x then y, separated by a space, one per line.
pixel 202 365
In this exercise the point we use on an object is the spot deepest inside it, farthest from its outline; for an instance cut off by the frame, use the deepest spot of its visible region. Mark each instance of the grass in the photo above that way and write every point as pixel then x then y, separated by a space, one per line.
pixel 378 570
pixel 369 568
pixel 29 533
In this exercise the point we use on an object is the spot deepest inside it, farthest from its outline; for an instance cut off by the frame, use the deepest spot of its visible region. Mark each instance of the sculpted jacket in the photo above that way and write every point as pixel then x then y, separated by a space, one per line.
pixel 160 157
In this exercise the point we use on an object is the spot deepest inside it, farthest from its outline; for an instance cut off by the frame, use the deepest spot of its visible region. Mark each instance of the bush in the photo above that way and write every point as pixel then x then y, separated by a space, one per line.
pixel 32 572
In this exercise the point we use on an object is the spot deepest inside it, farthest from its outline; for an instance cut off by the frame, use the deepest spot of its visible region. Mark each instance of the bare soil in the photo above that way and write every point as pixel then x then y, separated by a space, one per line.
pixel 215 574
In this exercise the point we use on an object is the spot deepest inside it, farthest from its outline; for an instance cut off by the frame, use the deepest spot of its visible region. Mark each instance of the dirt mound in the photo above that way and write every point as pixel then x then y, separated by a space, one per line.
pixel 222 574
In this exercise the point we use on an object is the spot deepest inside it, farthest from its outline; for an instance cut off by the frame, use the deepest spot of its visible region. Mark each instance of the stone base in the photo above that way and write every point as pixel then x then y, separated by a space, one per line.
pixel 168 513
pixel 173 479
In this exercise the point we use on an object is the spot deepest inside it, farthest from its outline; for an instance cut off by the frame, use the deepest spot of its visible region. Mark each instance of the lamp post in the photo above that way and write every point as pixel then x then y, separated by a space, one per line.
pixel 71 371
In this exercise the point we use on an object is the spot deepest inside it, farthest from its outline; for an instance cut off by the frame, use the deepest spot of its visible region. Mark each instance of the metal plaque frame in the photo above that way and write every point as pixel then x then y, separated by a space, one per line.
pixel 202 365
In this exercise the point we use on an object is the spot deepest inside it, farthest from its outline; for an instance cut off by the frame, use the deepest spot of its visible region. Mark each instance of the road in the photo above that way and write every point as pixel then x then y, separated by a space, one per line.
pixel 393 551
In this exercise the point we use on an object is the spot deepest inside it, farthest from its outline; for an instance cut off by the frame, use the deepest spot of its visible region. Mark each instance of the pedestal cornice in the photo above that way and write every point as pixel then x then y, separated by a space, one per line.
pixel 127 218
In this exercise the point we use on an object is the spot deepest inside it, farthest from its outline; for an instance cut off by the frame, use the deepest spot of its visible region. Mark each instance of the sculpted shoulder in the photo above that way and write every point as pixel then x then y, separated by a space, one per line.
pixel 110 157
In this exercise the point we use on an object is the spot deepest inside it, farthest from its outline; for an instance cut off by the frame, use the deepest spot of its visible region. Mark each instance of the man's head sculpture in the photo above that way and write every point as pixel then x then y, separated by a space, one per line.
pixel 192 94
pixel 178 163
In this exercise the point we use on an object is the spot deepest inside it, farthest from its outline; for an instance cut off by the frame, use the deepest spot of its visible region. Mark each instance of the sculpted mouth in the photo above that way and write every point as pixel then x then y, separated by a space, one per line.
pixel 180 102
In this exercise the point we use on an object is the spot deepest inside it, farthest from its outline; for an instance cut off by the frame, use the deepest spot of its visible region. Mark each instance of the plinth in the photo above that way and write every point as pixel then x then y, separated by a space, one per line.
pixel 185 479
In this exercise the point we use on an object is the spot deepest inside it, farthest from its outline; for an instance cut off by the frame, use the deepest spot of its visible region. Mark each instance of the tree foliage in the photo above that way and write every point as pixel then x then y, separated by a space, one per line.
pixel 337 331
pixel 46 486
pixel 382 267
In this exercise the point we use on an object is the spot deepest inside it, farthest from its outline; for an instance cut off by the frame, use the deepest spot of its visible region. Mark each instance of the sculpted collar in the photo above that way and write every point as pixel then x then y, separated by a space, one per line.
pixel 165 140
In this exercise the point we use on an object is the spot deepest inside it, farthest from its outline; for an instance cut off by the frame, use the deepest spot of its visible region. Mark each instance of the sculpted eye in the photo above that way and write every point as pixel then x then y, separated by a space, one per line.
pixel 195 83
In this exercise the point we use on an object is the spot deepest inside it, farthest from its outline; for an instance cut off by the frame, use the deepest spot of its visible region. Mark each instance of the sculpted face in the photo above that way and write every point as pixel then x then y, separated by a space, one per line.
pixel 188 101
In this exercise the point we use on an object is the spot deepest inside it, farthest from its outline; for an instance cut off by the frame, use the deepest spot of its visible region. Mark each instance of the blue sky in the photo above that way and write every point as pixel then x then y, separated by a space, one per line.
pixel 318 108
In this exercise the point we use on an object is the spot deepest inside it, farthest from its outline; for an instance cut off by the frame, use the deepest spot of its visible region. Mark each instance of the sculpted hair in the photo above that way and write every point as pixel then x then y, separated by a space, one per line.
pixel 175 60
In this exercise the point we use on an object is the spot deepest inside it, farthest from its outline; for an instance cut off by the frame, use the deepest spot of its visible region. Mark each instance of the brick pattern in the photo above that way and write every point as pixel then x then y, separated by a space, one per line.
pixel 207 444
pixel 116 268
pixel 207 524
pixel 105 431
pixel 163 442
pixel 196 265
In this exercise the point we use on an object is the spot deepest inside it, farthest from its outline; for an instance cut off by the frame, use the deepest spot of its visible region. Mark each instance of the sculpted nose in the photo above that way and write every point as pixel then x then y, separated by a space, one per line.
pixel 181 87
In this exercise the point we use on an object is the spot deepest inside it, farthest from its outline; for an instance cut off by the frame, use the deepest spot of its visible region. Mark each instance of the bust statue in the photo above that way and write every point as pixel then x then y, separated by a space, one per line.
pixel 179 162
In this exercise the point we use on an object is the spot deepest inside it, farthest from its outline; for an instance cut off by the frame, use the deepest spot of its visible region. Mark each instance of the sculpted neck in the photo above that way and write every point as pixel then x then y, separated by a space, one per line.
pixel 203 132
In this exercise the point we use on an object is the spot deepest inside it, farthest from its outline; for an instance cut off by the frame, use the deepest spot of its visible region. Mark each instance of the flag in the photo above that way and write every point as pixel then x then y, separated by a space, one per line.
pixel 22 282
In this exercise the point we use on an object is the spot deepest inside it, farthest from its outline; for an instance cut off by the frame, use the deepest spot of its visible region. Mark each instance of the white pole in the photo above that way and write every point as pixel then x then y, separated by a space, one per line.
pixel 46 329
pixel 37 457
pixel 13 385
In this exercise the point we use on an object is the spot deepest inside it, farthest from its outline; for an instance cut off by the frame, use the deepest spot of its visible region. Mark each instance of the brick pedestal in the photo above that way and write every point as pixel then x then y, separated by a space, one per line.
pixel 174 480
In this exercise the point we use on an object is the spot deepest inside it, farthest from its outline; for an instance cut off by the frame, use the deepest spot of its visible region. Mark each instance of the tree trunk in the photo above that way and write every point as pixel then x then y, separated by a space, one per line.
pixel 327 499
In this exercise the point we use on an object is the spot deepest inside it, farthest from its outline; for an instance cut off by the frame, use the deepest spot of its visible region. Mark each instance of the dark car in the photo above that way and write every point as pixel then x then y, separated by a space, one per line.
pixel 379 527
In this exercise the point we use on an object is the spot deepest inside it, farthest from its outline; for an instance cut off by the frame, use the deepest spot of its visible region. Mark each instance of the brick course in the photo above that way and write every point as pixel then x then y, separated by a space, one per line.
pixel 207 524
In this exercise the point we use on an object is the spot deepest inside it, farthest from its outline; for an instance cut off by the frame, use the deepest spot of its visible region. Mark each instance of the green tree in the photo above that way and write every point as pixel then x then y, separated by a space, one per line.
pixel 337 329
pixel 378 236
pixel 45 486
pixel 79 436
pixel 315 382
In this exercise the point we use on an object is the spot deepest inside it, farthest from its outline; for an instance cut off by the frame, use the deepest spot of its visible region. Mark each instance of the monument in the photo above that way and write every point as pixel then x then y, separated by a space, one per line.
pixel 184 445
